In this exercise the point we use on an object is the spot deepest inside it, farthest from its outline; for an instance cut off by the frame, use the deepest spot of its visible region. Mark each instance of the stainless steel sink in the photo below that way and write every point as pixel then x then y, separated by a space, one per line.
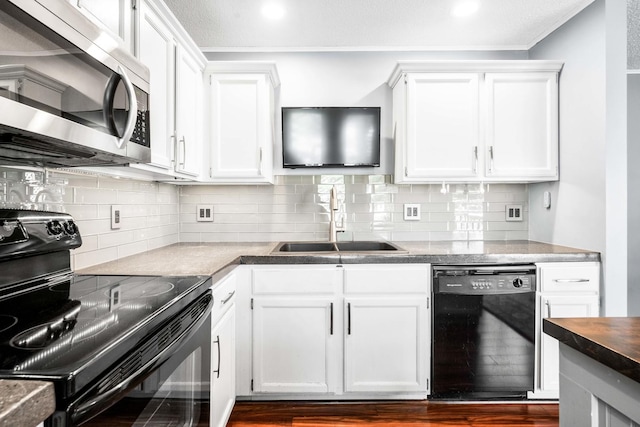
pixel 354 246
pixel 364 246
pixel 306 247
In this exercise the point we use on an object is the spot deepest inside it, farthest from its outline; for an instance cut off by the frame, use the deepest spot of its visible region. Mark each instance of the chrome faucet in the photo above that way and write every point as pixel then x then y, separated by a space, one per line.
pixel 333 208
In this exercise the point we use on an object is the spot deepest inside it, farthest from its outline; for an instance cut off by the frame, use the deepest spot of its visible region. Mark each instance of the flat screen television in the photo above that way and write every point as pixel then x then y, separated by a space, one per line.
pixel 330 137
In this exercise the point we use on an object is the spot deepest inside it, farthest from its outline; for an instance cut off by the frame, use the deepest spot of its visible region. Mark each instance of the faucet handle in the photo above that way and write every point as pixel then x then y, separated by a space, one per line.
pixel 333 200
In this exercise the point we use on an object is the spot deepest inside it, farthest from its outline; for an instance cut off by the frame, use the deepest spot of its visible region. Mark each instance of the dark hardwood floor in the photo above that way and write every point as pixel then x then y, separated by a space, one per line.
pixel 408 413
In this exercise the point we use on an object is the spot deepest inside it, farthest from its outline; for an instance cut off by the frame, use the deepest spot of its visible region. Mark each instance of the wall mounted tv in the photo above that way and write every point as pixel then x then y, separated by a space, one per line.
pixel 316 137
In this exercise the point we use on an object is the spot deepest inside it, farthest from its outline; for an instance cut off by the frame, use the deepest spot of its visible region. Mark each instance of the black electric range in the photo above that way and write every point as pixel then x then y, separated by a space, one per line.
pixel 70 329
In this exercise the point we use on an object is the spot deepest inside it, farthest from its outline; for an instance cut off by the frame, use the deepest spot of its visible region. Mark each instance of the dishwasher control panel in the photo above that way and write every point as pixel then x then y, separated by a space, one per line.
pixel 482 280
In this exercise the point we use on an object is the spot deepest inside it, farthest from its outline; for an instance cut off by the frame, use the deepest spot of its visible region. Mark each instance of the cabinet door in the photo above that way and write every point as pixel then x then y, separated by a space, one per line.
pixel 240 126
pixel 560 306
pixel 188 153
pixel 522 125
pixel 115 16
pixel 442 126
pixel 223 368
pixel 386 344
pixel 156 50
pixel 293 345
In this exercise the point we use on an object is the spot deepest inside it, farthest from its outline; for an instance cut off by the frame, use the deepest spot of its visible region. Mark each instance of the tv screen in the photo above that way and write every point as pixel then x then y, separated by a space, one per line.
pixel 330 136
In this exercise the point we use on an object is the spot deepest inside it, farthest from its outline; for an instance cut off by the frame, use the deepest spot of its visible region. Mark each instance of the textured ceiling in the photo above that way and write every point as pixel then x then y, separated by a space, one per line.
pixel 238 25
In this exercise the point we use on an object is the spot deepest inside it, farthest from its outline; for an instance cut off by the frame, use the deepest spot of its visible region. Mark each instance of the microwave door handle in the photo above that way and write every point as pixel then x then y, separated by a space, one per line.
pixel 108 110
pixel 133 109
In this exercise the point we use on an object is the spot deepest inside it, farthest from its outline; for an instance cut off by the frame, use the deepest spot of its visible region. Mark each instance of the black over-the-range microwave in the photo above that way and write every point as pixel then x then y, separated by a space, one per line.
pixel 70 94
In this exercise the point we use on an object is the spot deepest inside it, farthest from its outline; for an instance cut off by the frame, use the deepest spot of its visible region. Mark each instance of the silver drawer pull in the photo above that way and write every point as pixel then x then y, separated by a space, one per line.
pixel 571 280
pixel 226 300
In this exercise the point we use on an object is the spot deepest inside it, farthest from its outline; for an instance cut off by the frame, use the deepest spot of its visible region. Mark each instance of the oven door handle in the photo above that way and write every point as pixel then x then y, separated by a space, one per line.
pixel 87 409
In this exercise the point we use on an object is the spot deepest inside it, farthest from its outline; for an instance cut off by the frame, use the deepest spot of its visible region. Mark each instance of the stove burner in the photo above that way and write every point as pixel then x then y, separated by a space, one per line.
pixel 41 336
pixel 7 321
pixel 135 290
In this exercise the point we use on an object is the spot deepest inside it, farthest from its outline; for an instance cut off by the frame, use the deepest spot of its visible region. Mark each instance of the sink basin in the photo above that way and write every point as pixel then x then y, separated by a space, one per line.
pixel 356 246
pixel 305 247
pixel 364 246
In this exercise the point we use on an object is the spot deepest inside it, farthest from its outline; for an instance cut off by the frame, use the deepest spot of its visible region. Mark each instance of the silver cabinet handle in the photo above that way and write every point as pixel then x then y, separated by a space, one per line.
pixel 217 371
pixel 475 159
pixel 228 298
pixel 491 158
pixel 546 303
pixel 349 318
pixel 571 280
pixel 260 161
pixel 183 143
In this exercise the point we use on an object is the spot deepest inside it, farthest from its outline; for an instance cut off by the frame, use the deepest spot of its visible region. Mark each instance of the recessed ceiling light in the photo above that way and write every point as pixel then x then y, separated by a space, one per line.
pixel 465 8
pixel 273 11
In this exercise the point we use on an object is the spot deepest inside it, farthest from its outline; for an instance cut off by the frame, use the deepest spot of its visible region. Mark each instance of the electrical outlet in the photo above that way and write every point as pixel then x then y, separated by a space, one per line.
pixel 513 213
pixel 411 212
pixel 204 213
pixel 116 217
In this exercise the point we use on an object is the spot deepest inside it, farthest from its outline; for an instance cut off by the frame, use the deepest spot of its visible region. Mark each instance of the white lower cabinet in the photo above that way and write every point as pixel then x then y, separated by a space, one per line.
pixel 386 344
pixel 223 353
pixel 293 345
pixel 354 331
pixel 569 289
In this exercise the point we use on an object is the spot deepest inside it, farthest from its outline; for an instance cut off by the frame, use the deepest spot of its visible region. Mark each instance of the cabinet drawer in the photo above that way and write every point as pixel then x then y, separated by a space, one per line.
pixel 569 277
pixel 224 292
pixel 301 279
pixel 387 279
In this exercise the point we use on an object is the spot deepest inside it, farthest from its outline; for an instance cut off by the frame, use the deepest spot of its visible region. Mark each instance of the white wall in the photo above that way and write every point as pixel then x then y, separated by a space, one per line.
pixel 344 79
pixel 589 202
pixel 634 195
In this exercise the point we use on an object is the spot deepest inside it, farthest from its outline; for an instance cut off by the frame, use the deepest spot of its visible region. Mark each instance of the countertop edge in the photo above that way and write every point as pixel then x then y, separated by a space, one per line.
pixel 24 403
pixel 600 353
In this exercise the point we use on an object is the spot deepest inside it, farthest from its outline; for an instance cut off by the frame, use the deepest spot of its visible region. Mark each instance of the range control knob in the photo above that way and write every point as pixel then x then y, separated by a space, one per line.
pixel 70 228
pixel 54 228
pixel 517 282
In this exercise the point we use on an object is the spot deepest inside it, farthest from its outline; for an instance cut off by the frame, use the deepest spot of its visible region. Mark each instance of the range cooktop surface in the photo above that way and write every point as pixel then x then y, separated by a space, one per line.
pixel 81 322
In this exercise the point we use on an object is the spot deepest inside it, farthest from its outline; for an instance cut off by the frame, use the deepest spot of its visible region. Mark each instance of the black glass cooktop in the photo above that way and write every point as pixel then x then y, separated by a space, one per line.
pixel 83 324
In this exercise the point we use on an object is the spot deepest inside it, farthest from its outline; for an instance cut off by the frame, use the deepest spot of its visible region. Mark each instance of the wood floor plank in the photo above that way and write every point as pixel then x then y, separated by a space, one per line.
pixel 401 414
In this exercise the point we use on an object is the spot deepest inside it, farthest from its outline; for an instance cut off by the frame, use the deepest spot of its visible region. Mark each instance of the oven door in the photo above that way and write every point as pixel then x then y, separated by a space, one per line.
pixel 173 391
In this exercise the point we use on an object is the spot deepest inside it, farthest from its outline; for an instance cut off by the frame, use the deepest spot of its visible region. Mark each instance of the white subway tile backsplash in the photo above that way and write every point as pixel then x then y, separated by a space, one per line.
pixel 295 208
pixel 150 216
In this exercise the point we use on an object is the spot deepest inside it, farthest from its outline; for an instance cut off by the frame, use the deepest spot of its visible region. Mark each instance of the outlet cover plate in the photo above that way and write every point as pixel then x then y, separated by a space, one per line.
pixel 513 213
pixel 411 212
pixel 116 217
pixel 204 213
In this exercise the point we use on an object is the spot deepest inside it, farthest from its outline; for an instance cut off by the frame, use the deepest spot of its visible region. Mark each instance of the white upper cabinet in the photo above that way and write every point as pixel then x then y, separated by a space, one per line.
pixel 157 50
pixel 441 125
pixel 189 113
pixel 116 16
pixel 176 92
pixel 241 121
pixel 522 125
pixel 471 121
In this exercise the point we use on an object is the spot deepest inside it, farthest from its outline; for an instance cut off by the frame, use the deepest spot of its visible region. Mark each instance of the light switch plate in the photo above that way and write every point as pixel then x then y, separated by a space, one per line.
pixel 204 213
pixel 411 212
pixel 116 217
pixel 513 213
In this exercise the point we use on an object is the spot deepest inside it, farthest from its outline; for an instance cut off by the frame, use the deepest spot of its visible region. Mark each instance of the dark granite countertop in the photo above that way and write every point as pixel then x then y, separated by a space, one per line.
pixel 25 403
pixel 210 258
pixel 612 341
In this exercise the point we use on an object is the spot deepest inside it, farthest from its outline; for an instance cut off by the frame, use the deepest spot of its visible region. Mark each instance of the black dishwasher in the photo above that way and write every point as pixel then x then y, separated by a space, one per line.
pixel 483 332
